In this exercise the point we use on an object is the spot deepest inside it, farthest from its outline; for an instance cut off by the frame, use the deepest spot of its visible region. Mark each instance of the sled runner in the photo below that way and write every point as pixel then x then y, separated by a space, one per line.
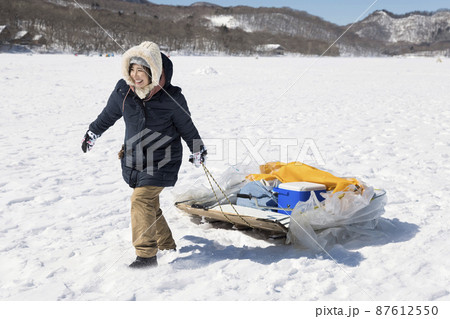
pixel 248 217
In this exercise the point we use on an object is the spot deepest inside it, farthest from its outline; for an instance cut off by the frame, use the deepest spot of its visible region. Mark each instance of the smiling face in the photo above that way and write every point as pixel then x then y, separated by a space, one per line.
pixel 140 75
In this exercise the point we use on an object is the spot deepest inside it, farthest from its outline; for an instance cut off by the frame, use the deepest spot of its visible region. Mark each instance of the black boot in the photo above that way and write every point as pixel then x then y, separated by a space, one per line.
pixel 141 262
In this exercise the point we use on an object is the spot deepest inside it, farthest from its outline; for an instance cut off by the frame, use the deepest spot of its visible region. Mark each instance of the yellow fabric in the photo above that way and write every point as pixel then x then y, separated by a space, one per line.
pixel 299 172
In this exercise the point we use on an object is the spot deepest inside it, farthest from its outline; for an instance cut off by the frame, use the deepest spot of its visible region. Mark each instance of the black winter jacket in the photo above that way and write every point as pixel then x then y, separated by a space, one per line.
pixel 154 128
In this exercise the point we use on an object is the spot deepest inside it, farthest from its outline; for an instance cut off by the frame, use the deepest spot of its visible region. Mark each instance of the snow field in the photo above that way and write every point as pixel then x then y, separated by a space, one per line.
pixel 64 215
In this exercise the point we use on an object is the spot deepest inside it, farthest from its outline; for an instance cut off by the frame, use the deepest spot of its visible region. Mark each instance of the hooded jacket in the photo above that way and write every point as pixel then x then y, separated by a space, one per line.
pixel 153 130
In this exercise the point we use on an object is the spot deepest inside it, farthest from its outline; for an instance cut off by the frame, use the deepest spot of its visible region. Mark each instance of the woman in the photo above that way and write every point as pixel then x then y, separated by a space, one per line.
pixel 156 118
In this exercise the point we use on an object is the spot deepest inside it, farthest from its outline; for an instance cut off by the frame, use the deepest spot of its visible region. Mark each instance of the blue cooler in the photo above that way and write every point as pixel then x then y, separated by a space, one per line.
pixel 289 194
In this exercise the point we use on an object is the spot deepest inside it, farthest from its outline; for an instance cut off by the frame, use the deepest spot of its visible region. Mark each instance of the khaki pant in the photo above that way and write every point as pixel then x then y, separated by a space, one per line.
pixel 150 231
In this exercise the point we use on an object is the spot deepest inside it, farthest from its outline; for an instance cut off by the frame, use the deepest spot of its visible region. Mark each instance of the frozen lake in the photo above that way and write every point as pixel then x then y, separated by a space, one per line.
pixel 64 215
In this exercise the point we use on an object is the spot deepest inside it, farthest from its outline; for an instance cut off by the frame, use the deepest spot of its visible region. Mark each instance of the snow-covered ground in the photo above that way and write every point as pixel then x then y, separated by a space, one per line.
pixel 64 215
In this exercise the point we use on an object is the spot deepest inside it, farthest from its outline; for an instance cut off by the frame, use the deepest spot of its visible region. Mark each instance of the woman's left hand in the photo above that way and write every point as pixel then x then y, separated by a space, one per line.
pixel 198 158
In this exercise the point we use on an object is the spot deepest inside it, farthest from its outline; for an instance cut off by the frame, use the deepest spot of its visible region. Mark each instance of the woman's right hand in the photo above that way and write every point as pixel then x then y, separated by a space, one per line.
pixel 88 141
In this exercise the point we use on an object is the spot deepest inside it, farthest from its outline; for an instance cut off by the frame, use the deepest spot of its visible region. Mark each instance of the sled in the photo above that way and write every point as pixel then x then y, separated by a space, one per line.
pixel 246 217
pixel 346 210
pixel 267 220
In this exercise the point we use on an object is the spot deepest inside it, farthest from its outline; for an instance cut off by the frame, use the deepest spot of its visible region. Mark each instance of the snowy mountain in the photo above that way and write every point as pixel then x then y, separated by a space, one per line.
pixel 205 4
pixel 282 21
pixel 414 27
pixel 205 28
pixel 380 29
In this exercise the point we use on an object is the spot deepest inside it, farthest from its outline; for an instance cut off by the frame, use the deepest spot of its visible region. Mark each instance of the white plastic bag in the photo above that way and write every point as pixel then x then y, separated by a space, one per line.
pixel 341 217
pixel 230 181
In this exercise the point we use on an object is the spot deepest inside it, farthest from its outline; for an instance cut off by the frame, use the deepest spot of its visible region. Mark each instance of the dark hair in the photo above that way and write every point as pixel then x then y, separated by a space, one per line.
pixel 146 69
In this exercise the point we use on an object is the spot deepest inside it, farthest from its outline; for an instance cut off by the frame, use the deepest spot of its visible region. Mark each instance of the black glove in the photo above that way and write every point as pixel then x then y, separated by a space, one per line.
pixel 88 141
pixel 198 158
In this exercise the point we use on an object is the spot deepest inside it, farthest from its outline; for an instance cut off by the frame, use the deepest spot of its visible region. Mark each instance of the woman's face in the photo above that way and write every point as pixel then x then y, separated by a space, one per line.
pixel 139 75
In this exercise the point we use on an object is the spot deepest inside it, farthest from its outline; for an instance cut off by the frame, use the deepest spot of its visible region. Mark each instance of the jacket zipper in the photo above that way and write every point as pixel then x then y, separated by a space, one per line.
pixel 143 109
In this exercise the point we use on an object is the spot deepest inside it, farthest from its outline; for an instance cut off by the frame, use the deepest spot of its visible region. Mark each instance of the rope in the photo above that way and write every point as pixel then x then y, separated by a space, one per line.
pixel 207 172
pixel 216 195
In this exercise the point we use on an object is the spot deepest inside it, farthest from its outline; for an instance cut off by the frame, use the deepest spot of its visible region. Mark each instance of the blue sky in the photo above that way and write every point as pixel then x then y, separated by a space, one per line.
pixel 337 11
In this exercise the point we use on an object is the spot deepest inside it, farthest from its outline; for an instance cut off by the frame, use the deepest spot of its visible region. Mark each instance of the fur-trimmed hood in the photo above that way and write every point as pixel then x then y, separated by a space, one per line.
pixel 150 52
